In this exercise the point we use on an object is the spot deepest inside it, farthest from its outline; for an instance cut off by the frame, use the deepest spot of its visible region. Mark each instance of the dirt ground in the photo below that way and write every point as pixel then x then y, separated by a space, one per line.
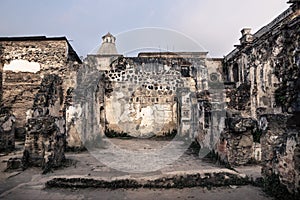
pixel 30 184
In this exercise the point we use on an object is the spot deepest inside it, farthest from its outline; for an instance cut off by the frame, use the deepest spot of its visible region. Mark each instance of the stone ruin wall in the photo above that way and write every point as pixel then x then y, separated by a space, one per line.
pixel 21 83
pixel 281 151
pixel 147 96
pixel 139 97
pixel 45 129
pixel 7 130
pixel 90 102
pixel 20 86
pixel 262 83
pixel 85 120
pixel 142 100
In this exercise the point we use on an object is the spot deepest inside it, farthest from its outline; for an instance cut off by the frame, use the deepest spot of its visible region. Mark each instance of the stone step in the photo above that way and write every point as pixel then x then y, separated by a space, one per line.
pixel 175 179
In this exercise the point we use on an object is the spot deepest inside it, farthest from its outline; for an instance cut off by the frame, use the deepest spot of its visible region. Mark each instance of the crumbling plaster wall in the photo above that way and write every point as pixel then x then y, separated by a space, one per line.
pixel 147 95
pixel 100 62
pixel 7 120
pixel 281 149
pixel 25 63
pixel 46 126
pixel 7 131
pixel 141 99
pixel 265 88
pixel 85 120
pixel 211 104
pixel 261 64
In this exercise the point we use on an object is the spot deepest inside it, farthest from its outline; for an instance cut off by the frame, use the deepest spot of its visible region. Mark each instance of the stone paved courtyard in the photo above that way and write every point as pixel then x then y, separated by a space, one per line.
pixel 30 184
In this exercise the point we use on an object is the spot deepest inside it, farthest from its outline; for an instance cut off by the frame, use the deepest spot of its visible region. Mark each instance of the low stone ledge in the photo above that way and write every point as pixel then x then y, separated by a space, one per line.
pixel 172 180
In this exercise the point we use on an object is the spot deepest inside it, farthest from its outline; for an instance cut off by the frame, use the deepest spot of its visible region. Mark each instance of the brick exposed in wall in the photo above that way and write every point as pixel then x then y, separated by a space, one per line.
pixel 18 86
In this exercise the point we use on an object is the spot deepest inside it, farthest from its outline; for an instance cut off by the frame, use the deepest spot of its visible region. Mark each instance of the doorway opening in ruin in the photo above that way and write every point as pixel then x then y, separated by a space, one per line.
pixel 235 71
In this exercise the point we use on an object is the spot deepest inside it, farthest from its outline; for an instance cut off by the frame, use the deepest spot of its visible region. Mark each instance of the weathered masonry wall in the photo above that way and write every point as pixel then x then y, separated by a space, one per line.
pixel 25 61
pixel 46 133
pixel 281 150
pixel 38 75
pixel 257 65
pixel 142 104
pixel 262 82
pixel 156 94
pixel 7 130
pixel 18 94
pixel 85 116
pixel 210 110
pixel 141 97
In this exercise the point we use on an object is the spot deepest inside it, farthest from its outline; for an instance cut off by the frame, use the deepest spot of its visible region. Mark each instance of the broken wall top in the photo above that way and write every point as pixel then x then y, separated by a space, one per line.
pixel 13 45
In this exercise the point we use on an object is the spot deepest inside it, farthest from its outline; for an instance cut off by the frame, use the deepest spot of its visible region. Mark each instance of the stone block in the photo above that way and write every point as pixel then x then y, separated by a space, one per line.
pixel 7 132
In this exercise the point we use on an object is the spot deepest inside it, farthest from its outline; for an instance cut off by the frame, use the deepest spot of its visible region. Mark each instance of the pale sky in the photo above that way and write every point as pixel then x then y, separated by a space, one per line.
pixel 214 24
